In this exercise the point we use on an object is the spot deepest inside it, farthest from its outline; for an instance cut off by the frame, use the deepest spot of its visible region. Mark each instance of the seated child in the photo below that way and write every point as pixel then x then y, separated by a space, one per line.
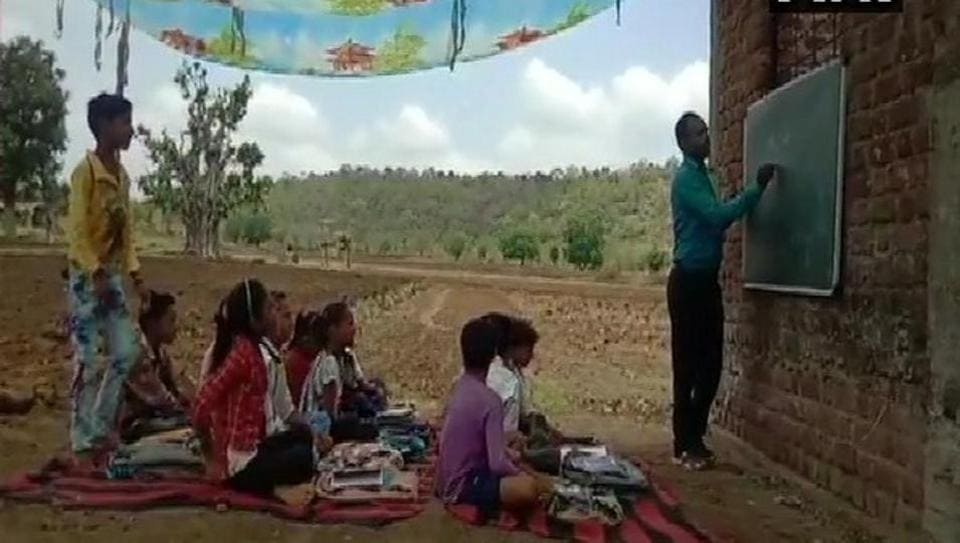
pixel 207 361
pixel 308 340
pixel 522 424
pixel 243 411
pixel 283 326
pixel 337 377
pixel 152 400
pixel 336 384
pixel 475 466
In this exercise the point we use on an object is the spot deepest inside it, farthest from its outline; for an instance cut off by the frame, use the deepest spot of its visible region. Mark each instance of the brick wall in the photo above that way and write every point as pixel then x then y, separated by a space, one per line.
pixel 837 389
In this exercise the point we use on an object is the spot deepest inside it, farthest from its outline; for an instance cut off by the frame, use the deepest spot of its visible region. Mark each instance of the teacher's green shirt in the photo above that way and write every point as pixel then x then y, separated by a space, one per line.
pixel 700 219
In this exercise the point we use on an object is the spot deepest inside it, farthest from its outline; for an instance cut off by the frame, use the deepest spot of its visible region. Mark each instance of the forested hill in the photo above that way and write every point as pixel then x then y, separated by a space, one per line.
pixel 397 211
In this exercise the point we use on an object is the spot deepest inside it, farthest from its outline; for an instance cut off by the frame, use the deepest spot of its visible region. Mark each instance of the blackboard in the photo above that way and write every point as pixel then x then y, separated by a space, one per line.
pixel 792 239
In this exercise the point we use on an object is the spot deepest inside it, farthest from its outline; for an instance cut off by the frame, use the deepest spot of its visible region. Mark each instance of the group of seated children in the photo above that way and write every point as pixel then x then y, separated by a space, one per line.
pixel 489 421
pixel 259 432
pixel 275 394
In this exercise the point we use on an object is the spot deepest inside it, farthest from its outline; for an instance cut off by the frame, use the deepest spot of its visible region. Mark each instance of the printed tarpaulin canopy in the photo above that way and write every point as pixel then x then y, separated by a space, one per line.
pixel 345 37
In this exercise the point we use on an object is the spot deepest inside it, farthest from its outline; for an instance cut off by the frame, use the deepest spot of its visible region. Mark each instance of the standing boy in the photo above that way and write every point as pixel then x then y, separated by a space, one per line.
pixel 101 250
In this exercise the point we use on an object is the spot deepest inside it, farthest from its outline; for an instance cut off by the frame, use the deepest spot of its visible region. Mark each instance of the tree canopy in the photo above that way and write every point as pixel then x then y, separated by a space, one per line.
pixel 33 106
pixel 405 211
pixel 202 174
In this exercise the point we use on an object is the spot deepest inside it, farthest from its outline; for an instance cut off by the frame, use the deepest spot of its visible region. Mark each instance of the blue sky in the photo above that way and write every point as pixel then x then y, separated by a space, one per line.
pixel 598 94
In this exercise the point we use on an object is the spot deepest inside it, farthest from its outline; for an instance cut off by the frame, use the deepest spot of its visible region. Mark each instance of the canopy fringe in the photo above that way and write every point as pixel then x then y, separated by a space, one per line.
pixel 123 53
pixel 110 26
pixel 59 19
pixel 98 36
pixel 241 17
pixel 458 30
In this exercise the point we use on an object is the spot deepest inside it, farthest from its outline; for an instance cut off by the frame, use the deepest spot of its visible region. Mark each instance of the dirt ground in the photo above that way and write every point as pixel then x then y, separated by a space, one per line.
pixel 602 369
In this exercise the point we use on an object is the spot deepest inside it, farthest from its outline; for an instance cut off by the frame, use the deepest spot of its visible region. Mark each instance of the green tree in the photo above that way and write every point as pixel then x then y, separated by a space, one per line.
pixel 258 228
pixel 554 255
pixel 655 259
pixel 584 236
pixel 202 173
pixel 33 106
pixel 455 246
pixel 519 244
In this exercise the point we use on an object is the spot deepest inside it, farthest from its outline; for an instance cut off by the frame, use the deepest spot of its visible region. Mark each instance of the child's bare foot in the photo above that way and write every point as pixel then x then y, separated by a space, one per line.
pixel 296 496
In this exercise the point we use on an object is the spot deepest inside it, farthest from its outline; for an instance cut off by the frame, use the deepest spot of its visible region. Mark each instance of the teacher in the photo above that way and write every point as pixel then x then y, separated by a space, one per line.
pixel 694 298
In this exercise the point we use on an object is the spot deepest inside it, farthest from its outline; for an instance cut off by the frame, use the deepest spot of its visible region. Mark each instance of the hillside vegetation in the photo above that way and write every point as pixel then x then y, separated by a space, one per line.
pixel 588 219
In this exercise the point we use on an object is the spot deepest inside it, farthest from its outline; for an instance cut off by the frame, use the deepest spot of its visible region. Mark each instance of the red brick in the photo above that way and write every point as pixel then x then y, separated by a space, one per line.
pixel 810 386
pixel 881 209
pixel 903 144
pixel 862 97
pixel 910 205
pixel 921 141
pixel 837 424
pixel 907 517
pixel 919 73
pixel 879 118
pixel 844 457
pixel 887 477
pixel 908 450
pixel 837 480
pixel 911 490
pixel 888 88
pixel 900 173
pixel 885 506
pixel 877 441
pixel 908 238
pixel 870 502
pixel 882 151
pixel 846 399
pixel 908 47
pixel 881 30
pixel 858 492
pixel 905 112
pixel 880 181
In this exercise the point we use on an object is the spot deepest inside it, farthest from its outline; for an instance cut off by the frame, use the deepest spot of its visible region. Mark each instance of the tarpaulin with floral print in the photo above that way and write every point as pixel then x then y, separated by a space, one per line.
pixel 344 37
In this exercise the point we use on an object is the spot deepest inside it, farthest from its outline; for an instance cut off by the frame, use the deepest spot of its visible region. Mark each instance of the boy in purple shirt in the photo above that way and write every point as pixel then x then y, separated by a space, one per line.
pixel 475 467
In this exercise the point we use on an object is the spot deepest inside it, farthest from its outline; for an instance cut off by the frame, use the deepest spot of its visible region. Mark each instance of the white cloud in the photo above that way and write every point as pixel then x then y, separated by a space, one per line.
pixel 295 136
pixel 631 117
pixel 414 131
pixel 412 138
pixel 289 129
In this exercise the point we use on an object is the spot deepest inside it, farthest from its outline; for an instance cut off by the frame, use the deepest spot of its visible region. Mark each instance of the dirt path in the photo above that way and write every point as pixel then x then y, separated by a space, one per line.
pixel 427 317
pixel 602 370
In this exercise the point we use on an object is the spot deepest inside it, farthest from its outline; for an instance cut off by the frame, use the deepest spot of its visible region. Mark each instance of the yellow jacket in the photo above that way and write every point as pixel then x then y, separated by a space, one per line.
pixel 101 218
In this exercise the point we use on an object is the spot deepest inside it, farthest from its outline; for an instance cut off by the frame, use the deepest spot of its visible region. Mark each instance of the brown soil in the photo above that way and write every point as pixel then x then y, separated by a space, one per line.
pixel 602 369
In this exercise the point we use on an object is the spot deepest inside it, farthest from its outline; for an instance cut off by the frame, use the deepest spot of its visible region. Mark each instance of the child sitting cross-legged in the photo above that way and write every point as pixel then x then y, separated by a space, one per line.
pixel 336 383
pixel 243 411
pixel 475 465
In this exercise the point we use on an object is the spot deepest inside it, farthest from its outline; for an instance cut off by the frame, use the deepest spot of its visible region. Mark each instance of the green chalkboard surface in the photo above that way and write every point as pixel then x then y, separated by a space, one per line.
pixel 792 240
